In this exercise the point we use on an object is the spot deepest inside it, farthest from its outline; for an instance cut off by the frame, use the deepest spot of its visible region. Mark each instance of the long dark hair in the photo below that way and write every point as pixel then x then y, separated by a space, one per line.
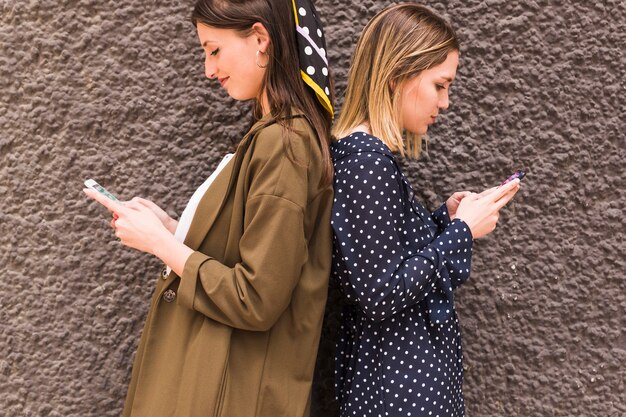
pixel 283 84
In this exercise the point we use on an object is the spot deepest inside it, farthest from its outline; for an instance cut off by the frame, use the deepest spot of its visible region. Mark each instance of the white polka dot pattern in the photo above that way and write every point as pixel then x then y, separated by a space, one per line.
pixel 399 351
pixel 311 51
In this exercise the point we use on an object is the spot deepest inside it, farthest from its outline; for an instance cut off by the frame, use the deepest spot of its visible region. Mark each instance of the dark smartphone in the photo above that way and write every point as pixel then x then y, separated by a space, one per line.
pixel 517 174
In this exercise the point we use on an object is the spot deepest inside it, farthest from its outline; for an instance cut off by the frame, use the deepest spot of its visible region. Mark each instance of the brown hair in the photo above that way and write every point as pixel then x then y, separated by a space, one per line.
pixel 397 44
pixel 283 83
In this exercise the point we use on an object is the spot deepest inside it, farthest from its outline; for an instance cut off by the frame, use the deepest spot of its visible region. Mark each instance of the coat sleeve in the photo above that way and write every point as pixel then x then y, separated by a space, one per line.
pixel 254 293
pixel 379 270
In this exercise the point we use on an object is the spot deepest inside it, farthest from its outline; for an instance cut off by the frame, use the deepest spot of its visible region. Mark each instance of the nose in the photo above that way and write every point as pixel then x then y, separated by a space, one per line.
pixel 444 100
pixel 209 67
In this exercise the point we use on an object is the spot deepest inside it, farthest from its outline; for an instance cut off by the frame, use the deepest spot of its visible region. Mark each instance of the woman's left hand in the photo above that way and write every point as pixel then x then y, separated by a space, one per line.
pixel 453 202
pixel 135 225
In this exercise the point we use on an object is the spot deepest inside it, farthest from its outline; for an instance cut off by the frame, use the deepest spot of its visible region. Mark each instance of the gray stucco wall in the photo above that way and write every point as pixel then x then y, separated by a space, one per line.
pixel 116 91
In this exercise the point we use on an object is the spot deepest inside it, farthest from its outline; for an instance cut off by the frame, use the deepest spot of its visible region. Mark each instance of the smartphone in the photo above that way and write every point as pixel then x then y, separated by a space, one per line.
pixel 95 186
pixel 517 174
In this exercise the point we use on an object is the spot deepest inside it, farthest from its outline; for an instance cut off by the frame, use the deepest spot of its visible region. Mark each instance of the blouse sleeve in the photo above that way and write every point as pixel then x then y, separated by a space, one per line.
pixel 441 217
pixel 379 269
pixel 458 261
pixel 253 294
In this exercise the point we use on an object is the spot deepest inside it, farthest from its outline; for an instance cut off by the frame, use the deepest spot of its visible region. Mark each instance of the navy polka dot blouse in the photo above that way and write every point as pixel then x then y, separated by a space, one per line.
pixel 399 350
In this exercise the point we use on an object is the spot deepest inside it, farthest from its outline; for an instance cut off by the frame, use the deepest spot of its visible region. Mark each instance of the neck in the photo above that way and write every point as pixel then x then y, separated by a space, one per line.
pixel 363 127
pixel 265 104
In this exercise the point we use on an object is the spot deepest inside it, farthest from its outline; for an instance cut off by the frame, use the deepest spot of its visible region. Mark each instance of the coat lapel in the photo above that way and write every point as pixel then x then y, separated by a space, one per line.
pixel 213 200
pixel 211 203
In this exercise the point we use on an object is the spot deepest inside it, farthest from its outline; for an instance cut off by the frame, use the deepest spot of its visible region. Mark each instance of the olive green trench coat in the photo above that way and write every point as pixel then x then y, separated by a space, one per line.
pixel 237 334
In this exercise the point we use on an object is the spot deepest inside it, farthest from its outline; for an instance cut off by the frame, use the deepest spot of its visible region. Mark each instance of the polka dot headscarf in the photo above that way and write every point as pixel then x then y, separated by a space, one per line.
pixel 312 51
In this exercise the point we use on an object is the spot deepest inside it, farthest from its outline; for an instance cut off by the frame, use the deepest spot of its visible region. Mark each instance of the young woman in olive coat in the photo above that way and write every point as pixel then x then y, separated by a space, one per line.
pixel 234 324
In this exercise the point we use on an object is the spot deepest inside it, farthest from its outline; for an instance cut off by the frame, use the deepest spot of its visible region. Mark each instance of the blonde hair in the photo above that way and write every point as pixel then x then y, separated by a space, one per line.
pixel 400 42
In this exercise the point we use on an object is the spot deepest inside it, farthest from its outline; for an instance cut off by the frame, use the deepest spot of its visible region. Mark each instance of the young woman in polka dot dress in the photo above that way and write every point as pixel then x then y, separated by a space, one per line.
pixel 399 350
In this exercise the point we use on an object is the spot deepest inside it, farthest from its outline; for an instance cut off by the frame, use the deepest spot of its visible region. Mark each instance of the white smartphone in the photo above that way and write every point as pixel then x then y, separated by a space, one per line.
pixel 95 186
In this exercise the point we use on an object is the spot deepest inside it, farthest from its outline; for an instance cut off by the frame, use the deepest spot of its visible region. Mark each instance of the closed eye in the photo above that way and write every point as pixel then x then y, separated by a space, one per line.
pixel 215 51
pixel 440 86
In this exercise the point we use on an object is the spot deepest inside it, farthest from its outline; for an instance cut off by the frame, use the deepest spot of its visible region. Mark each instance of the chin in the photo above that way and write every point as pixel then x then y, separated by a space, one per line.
pixel 239 96
pixel 419 132
pixel 233 95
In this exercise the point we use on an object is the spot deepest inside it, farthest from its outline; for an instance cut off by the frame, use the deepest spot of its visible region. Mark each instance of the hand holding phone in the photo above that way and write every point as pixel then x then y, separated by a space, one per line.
pixel 95 186
pixel 481 211
pixel 517 174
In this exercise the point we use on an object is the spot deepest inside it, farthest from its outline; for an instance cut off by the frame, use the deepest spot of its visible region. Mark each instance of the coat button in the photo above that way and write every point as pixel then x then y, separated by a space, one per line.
pixel 169 296
pixel 164 273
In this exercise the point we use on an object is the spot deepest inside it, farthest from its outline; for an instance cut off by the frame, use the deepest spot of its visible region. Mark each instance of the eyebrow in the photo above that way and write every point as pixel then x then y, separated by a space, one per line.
pixel 204 44
pixel 448 79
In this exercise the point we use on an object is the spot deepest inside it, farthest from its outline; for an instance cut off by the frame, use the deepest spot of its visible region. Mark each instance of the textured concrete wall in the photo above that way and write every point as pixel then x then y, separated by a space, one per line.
pixel 115 91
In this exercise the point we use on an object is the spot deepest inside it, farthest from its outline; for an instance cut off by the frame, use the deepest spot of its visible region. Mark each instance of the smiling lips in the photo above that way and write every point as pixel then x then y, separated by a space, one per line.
pixel 223 80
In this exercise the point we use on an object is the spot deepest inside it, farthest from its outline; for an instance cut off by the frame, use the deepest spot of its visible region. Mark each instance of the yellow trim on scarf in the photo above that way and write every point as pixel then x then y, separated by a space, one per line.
pixel 295 12
pixel 321 95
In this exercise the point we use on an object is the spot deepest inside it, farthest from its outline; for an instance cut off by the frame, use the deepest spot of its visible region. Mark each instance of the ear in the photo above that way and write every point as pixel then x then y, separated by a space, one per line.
pixel 394 84
pixel 262 36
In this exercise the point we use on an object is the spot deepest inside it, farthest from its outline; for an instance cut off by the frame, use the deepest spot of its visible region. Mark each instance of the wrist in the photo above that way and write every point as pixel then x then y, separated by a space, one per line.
pixel 171 225
pixel 172 252
pixel 162 242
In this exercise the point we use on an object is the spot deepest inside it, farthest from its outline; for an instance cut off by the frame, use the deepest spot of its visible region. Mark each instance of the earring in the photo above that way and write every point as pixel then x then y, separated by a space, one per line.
pixel 257 60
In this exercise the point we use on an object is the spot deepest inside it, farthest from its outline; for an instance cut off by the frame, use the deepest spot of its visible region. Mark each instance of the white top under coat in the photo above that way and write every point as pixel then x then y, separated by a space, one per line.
pixel 185 219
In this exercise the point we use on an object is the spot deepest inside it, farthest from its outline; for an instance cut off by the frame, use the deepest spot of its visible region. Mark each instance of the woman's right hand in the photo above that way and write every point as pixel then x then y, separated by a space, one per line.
pixel 481 211
pixel 169 223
